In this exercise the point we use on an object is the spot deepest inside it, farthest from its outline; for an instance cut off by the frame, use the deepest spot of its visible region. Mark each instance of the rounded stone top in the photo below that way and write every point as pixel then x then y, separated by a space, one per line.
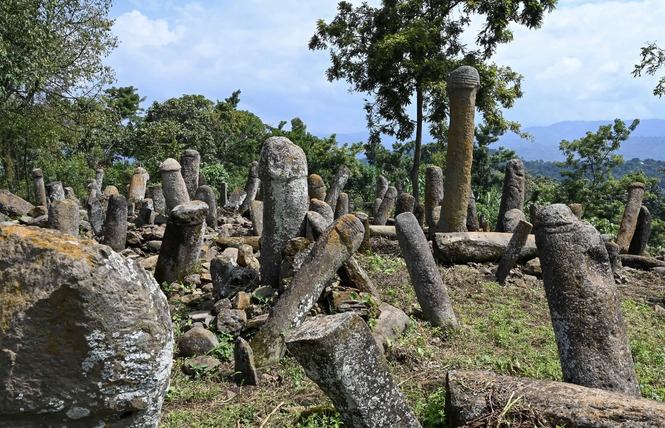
pixel 315 180
pixel 100 170
pixel 464 77
pixel 391 193
pixel 189 213
pixel 281 160
pixel 170 165
pixel 140 170
pixel 111 191
pixel 191 153
pixel 37 172
pixel 361 215
pixel 555 215
pixel 254 170
pixel 637 185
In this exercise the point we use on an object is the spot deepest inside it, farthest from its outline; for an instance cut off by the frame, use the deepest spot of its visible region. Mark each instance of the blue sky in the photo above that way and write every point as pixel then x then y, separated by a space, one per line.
pixel 576 66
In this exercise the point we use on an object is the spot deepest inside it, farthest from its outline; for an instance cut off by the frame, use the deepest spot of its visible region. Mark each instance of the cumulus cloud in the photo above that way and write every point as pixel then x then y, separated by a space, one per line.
pixel 136 30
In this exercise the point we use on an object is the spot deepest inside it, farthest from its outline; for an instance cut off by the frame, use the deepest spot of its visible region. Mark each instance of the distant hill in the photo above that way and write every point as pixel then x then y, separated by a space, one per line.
pixel 646 142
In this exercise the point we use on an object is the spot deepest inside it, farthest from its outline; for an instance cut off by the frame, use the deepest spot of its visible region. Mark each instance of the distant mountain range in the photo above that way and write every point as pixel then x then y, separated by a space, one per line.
pixel 646 142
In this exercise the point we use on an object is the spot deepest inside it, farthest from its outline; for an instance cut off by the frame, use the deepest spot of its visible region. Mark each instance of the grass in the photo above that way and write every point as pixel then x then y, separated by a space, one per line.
pixel 504 329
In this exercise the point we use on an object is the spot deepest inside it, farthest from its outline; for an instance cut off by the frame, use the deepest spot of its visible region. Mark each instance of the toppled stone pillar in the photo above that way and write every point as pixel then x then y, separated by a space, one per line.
pixel 316 188
pixel 472 224
pixel 40 189
pixel 342 206
pixel 638 244
pixel 63 215
pixel 206 194
pixel 54 192
pixel 425 276
pixel 115 225
pixel 173 184
pixel 405 203
pixel 251 187
pixel 99 178
pixel 330 251
pixel 182 242
pixel 584 303
pixel 433 195
pixel 337 185
pixel 462 86
pixel 630 214
pixel 513 250
pixel 283 172
pixel 473 396
pixel 386 206
pixel 90 344
pixel 339 353
pixel 190 162
pixel 138 185
pixel 512 196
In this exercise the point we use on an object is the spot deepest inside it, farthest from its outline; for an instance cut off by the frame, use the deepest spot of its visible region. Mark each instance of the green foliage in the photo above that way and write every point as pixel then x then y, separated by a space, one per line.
pixel 434 413
pixel 119 174
pixel 653 58
pixel 215 174
pixel 329 419
pixel 223 351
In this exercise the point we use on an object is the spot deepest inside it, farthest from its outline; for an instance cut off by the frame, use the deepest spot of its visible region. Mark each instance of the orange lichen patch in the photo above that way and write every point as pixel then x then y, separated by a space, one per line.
pixel 12 299
pixel 45 239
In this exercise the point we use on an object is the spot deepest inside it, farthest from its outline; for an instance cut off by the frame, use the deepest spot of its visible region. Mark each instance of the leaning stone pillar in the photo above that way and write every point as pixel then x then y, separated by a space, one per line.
pixel 638 244
pixel 283 172
pixel 584 303
pixel 190 162
pixel 513 250
pixel 251 186
pixel 512 196
pixel 425 277
pixel 173 184
pixel 206 194
pixel 63 215
pixel 380 190
pixel 386 206
pixel 339 353
pixel 337 186
pixel 182 241
pixel 40 190
pixel 630 214
pixel 342 206
pixel 433 194
pixel 330 251
pixel 462 86
pixel 115 225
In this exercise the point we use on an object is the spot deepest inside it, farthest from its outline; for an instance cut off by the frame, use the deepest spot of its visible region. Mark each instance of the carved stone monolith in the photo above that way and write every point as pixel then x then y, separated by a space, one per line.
pixel 337 185
pixel 63 215
pixel 40 189
pixel 472 224
pixel 206 194
pixel 630 214
pixel 405 203
pixel 513 250
pixel 512 196
pixel 342 206
pixel 638 244
pixel 190 161
pixel 251 186
pixel 173 184
pixel 54 192
pixel 316 188
pixel 386 207
pixel 115 225
pixel 433 194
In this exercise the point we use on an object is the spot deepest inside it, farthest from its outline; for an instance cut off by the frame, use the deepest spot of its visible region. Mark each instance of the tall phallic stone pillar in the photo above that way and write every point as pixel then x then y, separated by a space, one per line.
pixel 405 203
pixel 339 353
pixel 316 187
pixel 513 250
pixel 365 246
pixel 584 302
pixel 630 214
pixel 386 206
pixel 283 173
pixel 115 225
pixel 190 162
pixel 330 251
pixel 251 186
pixel 138 186
pixel 95 210
pixel 173 184
pixel 512 196
pixel 425 277
pixel 433 194
pixel 342 206
pixel 206 194
pixel 99 178
pixel 337 185
pixel 223 194
pixel 40 189
pixel 462 86
pixel 54 192
pixel 638 244
pixel 472 224
pixel 63 215
pixel 183 239
pixel 380 190
pixel 158 202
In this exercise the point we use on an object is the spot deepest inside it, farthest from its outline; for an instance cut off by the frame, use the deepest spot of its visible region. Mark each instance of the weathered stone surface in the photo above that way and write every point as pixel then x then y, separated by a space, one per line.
pixel 40 189
pixel 638 244
pixel 477 247
pixel 190 162
pixel 630 214
pixel 425 277
pixel 12 205
pixel 246 257
pixel 146 214
pixel 223 194
pixel 365 244
pixel 202 363
pixel 324 209
pixel 138 185
pixel 206 194
pixel 577 210
pixel 231 321
pixel 511 219
pixel 251 186
pixel 228 278
pixel 332 249
pixel 641 262
pixel 342 206
pixel 256 215
pixel 390 324
pixel 316 225
pixel 115 225
pixel 513 250
pixel 353 275
pixel 158 202
pixel 381 187
pixel 513 192
pixel 433 194
pixel 472 224
pixel 63 215
pixel 337 185
pixel 68 355
pixel 340 355
pixel 196 341
pixel 386 207
pixel 243 357
pixel 96 214
pixel 405 204
pixel 383 231
pixel 584 303
pixel 174 189
pixel 54 192
pixel 294 254
pixel 182 241
pixel 462 85
pixel 613 254
pixel 472 396
pixel 235 241
pixel 316 188
pixel 283 172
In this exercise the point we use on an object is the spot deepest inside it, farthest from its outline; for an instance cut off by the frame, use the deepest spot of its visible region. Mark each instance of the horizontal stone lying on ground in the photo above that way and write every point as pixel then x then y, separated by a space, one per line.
pixel 462 247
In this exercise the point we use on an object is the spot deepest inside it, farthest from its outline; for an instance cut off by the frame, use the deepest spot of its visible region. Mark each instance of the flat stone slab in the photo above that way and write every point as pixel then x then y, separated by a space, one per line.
pixel 462 247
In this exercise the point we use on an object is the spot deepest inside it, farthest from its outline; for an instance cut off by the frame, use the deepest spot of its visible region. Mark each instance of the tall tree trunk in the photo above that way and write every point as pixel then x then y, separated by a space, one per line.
pixel 419 140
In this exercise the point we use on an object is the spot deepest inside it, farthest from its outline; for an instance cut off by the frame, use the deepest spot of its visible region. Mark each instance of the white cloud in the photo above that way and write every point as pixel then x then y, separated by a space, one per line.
pixel 136 30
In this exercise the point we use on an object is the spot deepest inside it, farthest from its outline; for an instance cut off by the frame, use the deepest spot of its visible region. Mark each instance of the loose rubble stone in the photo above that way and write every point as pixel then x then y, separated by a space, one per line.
pixel 231 321
pixel 12 205
pixel 228 278
pixel 202 364
pixel 196 341
pixel 338 352
pixel 245 371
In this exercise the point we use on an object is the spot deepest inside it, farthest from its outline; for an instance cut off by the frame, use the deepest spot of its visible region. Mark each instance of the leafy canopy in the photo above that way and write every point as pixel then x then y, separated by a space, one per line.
pixel 653 58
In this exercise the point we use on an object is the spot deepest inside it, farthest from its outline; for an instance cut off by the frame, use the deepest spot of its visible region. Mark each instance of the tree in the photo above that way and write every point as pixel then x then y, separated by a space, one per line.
pixel 407 48
pixel 653 58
